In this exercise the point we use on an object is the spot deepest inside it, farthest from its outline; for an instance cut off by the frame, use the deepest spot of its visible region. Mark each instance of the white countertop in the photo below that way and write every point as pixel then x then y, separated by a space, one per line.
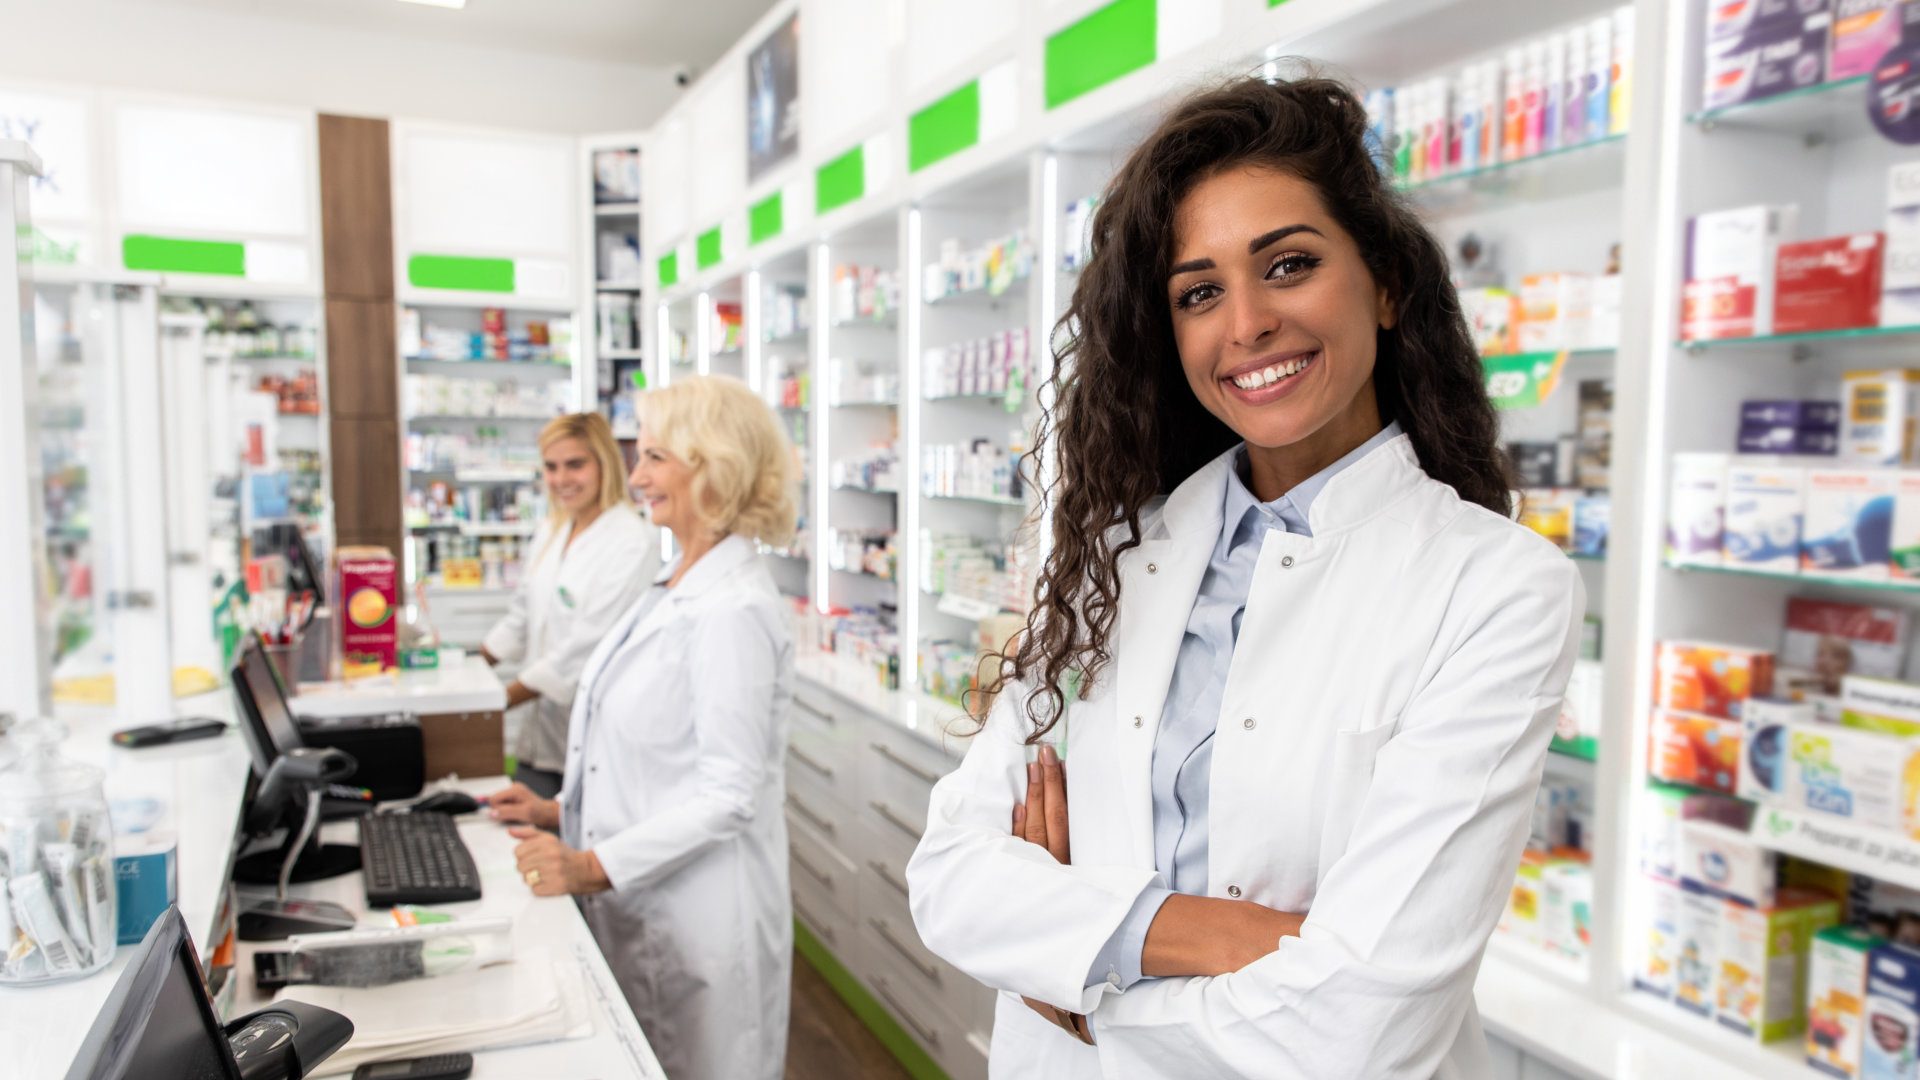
pixel 462 683
pixel 617 1049
pixel 201 785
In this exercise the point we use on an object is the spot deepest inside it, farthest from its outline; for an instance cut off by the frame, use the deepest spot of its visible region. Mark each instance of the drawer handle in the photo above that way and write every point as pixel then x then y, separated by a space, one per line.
pixel 808 812
pixel 803 758
pixel 927 1034
pixel 827 716
pixel 886 934
pixel 894 819
pixel 884 751
pixel 819 927
pixel 810 868
pixel 886 875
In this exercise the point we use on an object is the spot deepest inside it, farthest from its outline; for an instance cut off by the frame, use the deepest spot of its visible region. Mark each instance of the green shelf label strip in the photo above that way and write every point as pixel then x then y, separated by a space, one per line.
pixel 706 250
pixel 765 219
pixel 840 181
pixel 460 272
pixel 172 255
pixel 669 269
pixel 1113 41
pixel 944 128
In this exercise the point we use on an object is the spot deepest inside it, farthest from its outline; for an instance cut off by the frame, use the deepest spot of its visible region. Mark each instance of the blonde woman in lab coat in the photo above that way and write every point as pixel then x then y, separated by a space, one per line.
pixel 671 830
pixel 589 561
pixel 1302 663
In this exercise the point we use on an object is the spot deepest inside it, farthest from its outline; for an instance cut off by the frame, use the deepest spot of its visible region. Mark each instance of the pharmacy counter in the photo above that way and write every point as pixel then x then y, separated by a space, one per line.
pixel 460 704
pixel 196 790
pixel 549 927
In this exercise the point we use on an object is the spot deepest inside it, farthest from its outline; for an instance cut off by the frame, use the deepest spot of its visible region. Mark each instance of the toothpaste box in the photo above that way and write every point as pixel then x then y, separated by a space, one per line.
pixel 1828 284
pixel 1733 18
pixel 1765 735
pixel 1714 679
pixel 1877 426
pixel 1769 56
pixel 1697 952
pixel 1696 508
pixel 1889 1049
pixel 1762 972
pixel 1762 526
pixel 1719 860
pixel 1730 271
pixel 1837 998
pixel 1659 950
pixel 1848 526
pixel 146 872
pixel 1863 31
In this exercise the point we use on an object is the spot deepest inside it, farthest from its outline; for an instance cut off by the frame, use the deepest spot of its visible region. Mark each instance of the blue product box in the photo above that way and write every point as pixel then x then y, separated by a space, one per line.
pixel 1892 1022
pixel 147 879
pixel 1590 516
pixel 1767 58
pixel 1804 415
pixel 1780 439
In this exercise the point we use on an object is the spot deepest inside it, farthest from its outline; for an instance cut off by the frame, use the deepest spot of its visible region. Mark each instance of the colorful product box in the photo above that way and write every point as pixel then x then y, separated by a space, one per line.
pixel 1833 640
pixel 1713 679
pixel 1863 31
pixel 1591 516
pixel 1554 310
pixel 368 595
pixel 1697 952
pixel 1762 528
pixel 1522 917
pixel 1808 442
pixel 1765 736
pixel 1888 1048
pixel 1660 948
pixel 146 872
pixel 1877 426
pixel 1856 775
pixel 1828 284
pixel 1669 808
pixel 1886 705
pixel 1769 56
pixel 1837 998
pixel 1730 271
pixel 1696 509
pixel 1689 748
pixel 1566 907
pixel 1762 977
pixel 1848 528
pixel 1900 274
pixel 1492 315
pixel 1812 415
pixel 1550 513
pixel 1719 860
pixel 1904 548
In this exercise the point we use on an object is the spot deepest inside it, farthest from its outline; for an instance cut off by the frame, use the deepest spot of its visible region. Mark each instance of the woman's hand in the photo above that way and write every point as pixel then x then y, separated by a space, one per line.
pixel 1208 935
pixel 492 660
pixel 551 868
pixel 517 804
pixel 519 694
pixel 1042 820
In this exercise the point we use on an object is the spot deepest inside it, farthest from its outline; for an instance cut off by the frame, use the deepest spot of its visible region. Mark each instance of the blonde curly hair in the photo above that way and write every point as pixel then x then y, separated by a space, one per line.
pixel 742 473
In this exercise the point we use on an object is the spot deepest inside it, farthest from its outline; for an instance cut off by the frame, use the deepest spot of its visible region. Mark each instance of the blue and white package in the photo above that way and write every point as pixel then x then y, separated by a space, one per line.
pixel 1892 1046
pixel 1817 415
pixel 1847 530
pixel 1591 514
pixel 147 878
pixel 1764 505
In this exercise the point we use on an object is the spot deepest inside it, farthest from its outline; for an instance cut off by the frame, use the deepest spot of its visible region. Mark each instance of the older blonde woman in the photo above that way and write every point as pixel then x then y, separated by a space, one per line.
pixel 671 831
pixel 592 556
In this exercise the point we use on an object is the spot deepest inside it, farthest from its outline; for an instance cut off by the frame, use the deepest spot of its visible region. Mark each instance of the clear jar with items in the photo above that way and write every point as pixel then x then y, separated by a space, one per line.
pixel 61 918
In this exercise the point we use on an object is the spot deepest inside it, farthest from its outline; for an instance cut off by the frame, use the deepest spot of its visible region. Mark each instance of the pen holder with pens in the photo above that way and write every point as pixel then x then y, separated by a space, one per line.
pixel 60 916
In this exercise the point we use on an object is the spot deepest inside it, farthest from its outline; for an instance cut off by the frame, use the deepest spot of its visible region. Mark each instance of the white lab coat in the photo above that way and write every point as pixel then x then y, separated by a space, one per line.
pixel 1383 729
pixel 568 596
pixel 674 779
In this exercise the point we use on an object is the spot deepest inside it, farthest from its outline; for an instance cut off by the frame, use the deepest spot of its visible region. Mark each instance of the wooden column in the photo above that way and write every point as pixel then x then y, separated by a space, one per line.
pixel 363 376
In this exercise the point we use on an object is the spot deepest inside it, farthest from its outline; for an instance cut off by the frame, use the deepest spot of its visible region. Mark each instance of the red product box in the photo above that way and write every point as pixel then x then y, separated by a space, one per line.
pixel 1717 308
pixel 1701 677
pixel 1688 748
pixel 367 592
pixel 1828 284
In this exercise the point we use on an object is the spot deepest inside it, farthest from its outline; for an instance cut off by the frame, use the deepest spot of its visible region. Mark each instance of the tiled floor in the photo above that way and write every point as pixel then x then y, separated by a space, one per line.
pixel 825 1041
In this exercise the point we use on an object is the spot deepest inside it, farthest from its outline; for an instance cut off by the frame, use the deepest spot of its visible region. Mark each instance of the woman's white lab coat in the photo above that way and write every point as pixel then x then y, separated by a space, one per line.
pixel 674 780
pixel 568 596
pixel 1383 729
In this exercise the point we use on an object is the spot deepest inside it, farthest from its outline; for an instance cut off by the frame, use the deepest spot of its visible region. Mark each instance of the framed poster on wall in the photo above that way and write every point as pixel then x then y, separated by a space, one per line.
pixel 773 100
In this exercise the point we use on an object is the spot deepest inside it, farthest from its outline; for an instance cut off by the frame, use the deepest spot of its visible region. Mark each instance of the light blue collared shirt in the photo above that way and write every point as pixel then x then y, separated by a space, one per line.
pixel 1183 745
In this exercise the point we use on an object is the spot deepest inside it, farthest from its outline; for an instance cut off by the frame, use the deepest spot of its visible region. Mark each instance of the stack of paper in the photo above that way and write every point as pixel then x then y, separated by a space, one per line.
pixel 532 1000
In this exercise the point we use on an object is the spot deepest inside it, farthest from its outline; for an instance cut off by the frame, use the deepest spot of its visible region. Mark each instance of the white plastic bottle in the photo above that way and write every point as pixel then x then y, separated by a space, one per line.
pixel 1599 76
pixel 1573 101
pixel 1492 114
pixel 1467 109
pixel 1553 93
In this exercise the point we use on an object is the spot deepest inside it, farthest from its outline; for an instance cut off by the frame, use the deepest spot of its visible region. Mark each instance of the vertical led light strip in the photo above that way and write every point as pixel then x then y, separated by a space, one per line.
pixel 822 321
pixel 702 331
pixel 1043 336
pixel 908 578
pixel 663 348
pixel 750 329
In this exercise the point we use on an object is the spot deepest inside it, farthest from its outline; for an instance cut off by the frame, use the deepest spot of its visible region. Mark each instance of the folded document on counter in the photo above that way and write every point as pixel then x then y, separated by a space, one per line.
pixel 531 1000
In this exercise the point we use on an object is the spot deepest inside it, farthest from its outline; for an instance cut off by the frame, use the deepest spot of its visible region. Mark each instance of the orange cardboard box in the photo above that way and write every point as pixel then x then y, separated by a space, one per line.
pixel 1689 748
pixel 1700 677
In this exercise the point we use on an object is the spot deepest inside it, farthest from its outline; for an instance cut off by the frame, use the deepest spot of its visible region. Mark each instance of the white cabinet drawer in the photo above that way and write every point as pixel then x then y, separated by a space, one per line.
pixel 824 868
pixel 883 896
pixel 943 1035
pixel 814 808
pixel 829 763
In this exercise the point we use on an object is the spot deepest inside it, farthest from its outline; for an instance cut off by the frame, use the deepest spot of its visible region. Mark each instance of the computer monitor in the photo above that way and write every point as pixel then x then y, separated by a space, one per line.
pixel 158 1021
pixel 269 726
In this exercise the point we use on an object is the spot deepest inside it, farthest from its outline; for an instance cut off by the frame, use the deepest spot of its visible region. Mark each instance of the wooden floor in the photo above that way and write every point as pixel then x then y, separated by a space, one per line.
pixel 825 1041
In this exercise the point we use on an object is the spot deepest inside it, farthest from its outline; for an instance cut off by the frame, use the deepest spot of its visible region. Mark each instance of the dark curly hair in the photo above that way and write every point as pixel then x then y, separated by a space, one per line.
pixel 1125 425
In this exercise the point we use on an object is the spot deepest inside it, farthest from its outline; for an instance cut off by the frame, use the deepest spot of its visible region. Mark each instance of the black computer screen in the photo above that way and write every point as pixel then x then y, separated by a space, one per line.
pixel 270 728
pixel 158 1021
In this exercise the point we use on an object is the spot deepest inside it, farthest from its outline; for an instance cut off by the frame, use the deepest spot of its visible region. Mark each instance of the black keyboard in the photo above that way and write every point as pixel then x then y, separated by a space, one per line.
pixel 415 858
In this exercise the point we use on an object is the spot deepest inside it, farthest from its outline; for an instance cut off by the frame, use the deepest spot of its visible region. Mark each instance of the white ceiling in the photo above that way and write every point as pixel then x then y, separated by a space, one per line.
pixel 654 33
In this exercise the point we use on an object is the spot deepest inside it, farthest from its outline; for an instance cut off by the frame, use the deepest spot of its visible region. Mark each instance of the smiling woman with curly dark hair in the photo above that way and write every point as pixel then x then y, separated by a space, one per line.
pixel 1306 665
